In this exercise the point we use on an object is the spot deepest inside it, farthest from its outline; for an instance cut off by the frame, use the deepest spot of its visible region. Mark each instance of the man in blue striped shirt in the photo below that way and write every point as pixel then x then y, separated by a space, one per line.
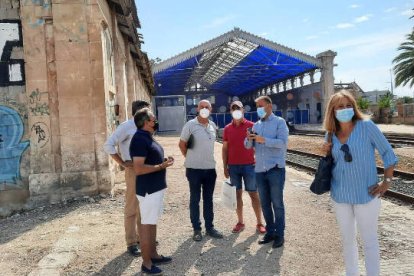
pixel 269 137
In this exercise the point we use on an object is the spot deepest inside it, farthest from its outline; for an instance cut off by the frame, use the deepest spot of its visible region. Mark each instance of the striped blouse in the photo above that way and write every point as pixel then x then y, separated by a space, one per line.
pixel 350 180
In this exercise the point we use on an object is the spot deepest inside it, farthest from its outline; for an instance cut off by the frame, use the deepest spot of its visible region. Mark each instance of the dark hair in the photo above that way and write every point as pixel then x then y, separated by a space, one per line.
pixel 137 105
pixel 141 116
pixel 267 99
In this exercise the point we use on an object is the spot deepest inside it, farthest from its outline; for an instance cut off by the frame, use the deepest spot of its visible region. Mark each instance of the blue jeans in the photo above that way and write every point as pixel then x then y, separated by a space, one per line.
pixel 243 172
pixel 270 185
pixel 206 179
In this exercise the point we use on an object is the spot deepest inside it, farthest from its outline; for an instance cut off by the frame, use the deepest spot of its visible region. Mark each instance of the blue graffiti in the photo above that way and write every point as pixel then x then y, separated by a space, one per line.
pixel 11 149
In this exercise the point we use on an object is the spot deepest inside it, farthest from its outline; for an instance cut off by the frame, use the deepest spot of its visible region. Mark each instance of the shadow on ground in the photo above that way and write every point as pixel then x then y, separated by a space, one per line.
pixel 20 223
pixel 117 266
pixel 228 256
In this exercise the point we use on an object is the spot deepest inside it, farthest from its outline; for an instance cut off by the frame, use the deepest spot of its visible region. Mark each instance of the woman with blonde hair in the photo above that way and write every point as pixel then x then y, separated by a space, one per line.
pixel 355 186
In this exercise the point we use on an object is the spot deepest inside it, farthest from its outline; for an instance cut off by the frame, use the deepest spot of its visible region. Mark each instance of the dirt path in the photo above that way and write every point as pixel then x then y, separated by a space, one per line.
pixel 86 237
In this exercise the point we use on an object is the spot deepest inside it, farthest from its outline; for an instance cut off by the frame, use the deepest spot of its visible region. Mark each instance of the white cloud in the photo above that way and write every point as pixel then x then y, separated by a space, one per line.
pixel 390 9
pixel 409 12
pixel 362 18
pixel 219 21
pixel 354 6
pixel 372 78
pixel 367 45
pixel 310 37
pixel 344 25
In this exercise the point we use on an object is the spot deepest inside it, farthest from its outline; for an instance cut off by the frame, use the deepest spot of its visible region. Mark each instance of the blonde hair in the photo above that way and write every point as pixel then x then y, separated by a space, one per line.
pixel 330 123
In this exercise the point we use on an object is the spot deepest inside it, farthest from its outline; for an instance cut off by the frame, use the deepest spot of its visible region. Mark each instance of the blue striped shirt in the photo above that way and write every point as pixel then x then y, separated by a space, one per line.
pixel 273 151
pixel 350 180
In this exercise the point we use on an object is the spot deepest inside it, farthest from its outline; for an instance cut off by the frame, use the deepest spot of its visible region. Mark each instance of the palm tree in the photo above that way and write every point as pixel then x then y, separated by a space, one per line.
pixel 404 62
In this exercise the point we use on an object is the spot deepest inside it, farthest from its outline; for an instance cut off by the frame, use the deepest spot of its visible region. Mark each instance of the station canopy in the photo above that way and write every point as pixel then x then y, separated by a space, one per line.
pixel 235 63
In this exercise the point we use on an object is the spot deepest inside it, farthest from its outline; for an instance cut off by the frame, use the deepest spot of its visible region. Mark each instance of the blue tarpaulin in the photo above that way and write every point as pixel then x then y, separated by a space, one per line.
pixel 236 63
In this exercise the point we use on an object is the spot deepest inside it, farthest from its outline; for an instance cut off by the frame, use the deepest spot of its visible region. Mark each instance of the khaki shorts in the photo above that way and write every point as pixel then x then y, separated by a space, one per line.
pixel 151 207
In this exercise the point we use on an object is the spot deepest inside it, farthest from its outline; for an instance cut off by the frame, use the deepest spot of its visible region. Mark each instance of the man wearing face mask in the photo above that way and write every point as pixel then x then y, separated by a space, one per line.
pixel 200 168
pixel 238 164
pixel 117 146
pixel 270 136
pixel 150 168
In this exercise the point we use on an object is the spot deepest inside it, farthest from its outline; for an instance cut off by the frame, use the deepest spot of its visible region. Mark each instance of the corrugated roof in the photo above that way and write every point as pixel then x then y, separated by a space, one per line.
pixel 235 63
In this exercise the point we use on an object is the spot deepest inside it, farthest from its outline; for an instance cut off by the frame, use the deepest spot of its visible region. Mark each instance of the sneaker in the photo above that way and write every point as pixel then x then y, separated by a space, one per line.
pixel 153 271
pixel 266 239
pixel 260 228
pixel 162 260
pixel 134 250
pixel 238 228
pixel 278 242
pixel 197 236
pixel 214 233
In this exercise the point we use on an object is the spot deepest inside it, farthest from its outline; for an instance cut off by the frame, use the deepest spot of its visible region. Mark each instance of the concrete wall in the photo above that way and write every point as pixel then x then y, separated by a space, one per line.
pixel 61 101
pixel 15 107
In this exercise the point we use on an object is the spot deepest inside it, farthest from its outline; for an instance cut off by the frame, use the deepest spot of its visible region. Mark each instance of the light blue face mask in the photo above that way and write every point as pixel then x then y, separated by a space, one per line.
pixel 261 112
pixel 344 115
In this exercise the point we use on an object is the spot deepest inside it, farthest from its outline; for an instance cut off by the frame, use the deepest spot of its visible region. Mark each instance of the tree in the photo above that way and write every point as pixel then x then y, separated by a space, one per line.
pixel 385 101
pixel 362 103
pixel 153 61
pixel 404 62
pixel 406 100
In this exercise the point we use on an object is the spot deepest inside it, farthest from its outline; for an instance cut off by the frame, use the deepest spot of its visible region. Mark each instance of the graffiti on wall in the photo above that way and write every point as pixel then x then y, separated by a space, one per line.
pixel 41 131
pixel 37 107
pixel 11 146
pixel 11 69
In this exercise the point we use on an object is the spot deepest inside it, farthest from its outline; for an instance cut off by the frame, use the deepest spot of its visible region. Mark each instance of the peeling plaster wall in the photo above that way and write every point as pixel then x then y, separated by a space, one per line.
pixel 58 98
pixel 15 130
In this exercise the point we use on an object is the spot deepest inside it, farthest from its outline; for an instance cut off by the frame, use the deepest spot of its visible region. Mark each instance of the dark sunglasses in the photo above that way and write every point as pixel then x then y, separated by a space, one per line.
pixel 235 107
pixel 348 156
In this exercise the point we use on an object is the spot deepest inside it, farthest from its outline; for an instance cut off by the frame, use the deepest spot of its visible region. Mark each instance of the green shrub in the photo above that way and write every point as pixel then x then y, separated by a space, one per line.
pixel 385 101
pixel 362 103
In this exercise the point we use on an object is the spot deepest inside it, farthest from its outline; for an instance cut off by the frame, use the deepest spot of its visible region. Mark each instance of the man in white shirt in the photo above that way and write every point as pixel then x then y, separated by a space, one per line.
pixel 121 138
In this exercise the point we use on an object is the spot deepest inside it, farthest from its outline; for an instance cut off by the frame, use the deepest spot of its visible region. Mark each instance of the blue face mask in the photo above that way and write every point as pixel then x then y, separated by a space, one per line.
pixel 344 115
pixel 261 112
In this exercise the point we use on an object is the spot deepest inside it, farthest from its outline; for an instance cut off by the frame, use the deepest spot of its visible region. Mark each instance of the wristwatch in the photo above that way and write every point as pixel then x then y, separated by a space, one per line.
pixel 388 179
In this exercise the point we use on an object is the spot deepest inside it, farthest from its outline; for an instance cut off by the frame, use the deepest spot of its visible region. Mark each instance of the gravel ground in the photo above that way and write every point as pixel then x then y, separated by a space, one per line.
pixel 85 237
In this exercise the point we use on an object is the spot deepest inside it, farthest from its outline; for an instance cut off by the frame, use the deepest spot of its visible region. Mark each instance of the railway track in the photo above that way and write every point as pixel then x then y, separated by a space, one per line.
pixel 402 186
pixel 396 139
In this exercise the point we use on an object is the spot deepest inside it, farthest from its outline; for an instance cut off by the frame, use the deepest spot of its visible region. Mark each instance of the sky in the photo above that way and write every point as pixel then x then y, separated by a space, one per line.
pixel 365 34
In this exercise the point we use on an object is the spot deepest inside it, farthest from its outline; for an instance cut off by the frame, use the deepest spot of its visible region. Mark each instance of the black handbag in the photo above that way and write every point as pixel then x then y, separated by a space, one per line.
pixel 322 182
pixel 190 142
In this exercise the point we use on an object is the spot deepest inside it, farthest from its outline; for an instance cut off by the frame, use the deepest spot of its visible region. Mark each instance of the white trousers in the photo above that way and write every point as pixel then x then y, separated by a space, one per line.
pixel 365 216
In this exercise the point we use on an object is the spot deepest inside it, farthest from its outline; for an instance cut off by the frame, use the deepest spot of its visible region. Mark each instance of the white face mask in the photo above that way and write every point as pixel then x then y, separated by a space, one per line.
pixel 237 114
pixel 204 113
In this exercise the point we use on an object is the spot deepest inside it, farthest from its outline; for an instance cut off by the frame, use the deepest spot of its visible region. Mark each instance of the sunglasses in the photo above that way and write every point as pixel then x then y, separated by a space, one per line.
pixel 348 156
pixel 235 107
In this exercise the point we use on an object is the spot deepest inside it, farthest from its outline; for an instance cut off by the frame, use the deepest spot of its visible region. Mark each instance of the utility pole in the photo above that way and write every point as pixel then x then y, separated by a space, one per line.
pixel 392 89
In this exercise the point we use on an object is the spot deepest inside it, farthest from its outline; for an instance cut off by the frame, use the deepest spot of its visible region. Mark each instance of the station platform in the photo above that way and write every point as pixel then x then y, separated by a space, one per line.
pixel 385 128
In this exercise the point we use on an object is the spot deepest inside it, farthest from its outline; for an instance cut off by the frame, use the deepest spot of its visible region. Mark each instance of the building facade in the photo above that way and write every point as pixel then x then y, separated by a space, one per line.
pixel 69 72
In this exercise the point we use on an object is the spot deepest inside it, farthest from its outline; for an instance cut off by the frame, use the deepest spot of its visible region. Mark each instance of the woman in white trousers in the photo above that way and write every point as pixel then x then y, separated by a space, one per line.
pixel 355 186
